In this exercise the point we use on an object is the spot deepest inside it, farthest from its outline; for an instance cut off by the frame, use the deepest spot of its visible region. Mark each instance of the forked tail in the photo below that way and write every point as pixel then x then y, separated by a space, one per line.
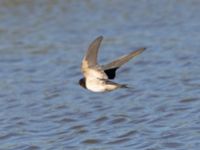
pixel 126 86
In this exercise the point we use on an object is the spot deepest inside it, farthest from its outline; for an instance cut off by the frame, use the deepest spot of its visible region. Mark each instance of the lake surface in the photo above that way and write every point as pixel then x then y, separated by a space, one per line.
pixel 43 107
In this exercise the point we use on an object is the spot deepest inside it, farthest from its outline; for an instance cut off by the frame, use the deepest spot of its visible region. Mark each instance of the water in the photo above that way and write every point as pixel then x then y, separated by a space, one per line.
pixel 41 47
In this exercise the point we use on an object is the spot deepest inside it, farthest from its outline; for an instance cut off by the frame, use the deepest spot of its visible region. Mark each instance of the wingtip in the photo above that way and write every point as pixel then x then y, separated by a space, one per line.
pixel 143 48
pixel 140 50
pixel 100 37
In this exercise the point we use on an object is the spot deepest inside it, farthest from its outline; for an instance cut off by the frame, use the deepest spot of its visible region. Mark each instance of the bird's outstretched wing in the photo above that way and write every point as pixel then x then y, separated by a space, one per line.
pixel 110 68
pixel 90 58
pixel 122 60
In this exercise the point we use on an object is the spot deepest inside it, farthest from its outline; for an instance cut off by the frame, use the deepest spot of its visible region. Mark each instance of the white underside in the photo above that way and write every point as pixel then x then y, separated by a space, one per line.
pixel 94 80
pixel 97 85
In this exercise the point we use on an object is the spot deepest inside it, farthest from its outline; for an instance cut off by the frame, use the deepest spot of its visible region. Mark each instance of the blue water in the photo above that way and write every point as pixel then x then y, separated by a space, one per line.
pixel 43 107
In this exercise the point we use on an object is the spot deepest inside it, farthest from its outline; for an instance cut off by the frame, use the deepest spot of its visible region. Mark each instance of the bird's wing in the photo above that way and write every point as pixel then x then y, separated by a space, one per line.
pixel 122 60
pixel 90 58
pixel 111 73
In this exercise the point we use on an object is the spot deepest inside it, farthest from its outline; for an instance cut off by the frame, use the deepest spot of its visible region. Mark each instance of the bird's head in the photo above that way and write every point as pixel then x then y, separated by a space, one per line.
pixel 82 83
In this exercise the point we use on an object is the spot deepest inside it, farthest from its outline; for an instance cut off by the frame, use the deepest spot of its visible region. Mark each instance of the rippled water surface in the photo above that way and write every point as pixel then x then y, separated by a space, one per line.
pixel 41 47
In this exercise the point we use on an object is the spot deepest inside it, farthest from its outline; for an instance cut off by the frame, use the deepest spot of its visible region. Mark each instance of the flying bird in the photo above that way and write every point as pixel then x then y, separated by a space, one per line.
pixel 97 78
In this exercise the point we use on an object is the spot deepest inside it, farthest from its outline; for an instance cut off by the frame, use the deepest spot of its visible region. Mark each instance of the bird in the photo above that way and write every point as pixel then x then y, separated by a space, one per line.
pixel 97 78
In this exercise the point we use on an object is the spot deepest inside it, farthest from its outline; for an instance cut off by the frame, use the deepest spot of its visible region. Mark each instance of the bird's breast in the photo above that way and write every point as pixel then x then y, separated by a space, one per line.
pixel 98 85
pixel 95 85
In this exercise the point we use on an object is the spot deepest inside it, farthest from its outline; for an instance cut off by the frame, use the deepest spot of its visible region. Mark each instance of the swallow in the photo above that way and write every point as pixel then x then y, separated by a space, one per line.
pixel 97 78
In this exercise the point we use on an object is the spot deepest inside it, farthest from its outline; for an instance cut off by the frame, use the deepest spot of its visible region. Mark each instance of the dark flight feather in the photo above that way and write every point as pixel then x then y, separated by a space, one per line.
pixel 111 73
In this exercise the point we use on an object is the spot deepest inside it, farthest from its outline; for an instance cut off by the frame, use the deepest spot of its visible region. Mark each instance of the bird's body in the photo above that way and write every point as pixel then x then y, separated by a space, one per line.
pixel 97 80
pixel 100 85
pixel 96 77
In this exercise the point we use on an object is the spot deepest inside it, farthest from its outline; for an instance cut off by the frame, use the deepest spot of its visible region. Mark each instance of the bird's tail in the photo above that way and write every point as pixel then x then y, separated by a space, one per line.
pixel 126 86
